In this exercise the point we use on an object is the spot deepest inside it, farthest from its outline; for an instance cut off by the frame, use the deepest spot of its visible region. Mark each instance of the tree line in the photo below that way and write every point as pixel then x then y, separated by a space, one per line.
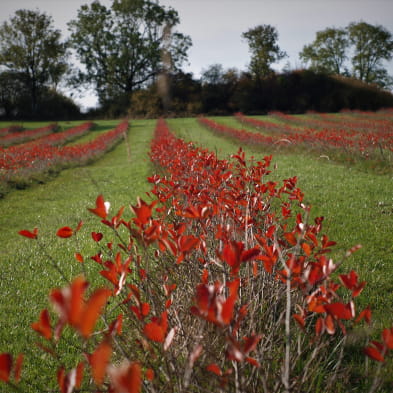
pixel 131 55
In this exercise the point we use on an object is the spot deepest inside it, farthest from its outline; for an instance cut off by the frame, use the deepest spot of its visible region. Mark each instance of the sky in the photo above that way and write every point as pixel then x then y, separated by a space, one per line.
pixel 216 26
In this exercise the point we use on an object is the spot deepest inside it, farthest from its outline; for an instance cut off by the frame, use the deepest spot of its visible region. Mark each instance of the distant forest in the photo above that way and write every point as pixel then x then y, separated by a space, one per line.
pixel 131 55
pixel 293 92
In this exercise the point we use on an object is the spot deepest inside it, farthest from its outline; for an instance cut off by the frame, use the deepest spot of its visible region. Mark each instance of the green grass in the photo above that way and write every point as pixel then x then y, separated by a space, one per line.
pixel 26 276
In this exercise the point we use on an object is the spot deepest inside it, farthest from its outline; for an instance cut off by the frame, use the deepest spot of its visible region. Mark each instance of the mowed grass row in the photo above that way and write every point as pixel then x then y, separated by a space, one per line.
pixel 26 274
pixel 357 206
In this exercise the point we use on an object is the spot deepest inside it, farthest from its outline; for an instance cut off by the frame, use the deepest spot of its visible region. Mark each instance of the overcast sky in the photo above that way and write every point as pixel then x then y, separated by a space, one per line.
pixel 215 26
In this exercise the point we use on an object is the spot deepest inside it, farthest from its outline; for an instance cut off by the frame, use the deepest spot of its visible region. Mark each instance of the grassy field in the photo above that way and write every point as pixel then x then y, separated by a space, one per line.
pixel 357 206
pixel 26 276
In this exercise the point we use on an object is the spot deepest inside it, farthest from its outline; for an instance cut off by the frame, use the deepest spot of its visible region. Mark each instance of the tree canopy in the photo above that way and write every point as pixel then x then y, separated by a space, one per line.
pixel 31 53
pixel 328 52
pixel 121 47
pixel 372 45
pixel 262 42
pixel 365 46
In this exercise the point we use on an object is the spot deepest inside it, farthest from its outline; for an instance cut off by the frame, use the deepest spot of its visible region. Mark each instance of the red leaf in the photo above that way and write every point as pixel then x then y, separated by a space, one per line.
pixel 350 281
pixel 101 209
pixel 326 242
pixel 97 236
pixel 99 361
pixel 116 325
pixel 358 289
pixel 253 362
pixel 205 276
pixel 213 368
pixel 149 374
pixel 5 367
pixel 307 249
pixel 231 254
pixel 65 232
pixel 127 378
pixel 154 332
pixel 143 212
pixel 76 304
pixel 79 257
pixel 30 235
pixel 312 237
pixel 228 306
pixel 43 326
pixel 80 224
pixel 250 343
pixel 387 336
pixel 61 379
pixel 250 254
pixel 92 311
pixel 366 314
pixel 72 308
pixel 373 353
pixel 18 368
pixel 268 262
pixel 291 239
pixel 145 309
pixel 339 310
pixel 300 320
pixel 319 326
pixel 187 243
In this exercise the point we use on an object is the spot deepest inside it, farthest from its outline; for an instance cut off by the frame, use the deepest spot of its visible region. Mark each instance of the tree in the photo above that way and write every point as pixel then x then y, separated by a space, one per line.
pixel 213 75
pixel 372 44
pixel 262 42
pixel 328 52
pixel 12 92
pixel 120 47
pixel 218 86
pixel 31 49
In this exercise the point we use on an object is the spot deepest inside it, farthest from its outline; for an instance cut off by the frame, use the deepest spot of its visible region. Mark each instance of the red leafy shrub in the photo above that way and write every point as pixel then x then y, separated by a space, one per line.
pixel 24 162
pixel 366 139
pixel 24 136
pixel 220 283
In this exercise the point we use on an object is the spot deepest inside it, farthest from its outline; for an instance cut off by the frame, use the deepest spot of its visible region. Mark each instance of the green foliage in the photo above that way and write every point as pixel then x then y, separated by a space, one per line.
pixel 369 45
pixel 328 52
pixel 262 42
pixel 300 91
pixel 32 53
pixel 221 92
pixel 120 47
pixel 218 86
pixel 372 44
